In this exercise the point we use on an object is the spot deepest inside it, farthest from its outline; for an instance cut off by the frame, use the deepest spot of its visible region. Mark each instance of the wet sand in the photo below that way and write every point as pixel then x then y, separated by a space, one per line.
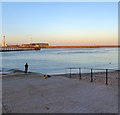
pixel 31 93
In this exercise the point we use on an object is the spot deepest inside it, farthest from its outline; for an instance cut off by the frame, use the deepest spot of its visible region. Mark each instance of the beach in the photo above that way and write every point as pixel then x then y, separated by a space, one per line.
pixel 59 57
pixel 32 93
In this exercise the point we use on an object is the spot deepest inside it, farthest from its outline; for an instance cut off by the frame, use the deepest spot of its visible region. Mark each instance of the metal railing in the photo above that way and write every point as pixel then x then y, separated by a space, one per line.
pixel 91 73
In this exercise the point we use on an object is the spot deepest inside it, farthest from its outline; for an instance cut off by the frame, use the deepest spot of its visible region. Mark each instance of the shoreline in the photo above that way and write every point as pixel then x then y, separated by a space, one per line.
pixel 98 77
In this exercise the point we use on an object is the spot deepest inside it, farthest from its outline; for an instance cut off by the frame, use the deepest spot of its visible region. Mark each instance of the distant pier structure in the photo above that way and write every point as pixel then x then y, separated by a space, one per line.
pixel 8 49
pixel 11 48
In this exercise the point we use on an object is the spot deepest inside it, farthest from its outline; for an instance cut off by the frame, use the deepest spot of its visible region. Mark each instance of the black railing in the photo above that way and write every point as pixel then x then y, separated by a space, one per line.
pixel 91 73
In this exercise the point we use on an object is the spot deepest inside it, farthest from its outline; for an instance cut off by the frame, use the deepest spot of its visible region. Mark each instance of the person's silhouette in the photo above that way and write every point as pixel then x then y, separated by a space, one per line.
pixel 26 68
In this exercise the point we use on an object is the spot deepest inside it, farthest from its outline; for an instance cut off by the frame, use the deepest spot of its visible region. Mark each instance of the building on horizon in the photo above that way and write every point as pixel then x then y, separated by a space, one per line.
pixel 42 45
pixel 4 42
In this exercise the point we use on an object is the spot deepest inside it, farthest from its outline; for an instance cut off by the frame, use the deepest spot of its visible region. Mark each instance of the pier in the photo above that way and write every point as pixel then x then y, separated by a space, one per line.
pixel 7 49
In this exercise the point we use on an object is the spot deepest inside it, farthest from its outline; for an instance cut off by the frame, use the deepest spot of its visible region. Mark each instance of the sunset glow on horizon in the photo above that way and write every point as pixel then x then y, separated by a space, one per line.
pixel 61 23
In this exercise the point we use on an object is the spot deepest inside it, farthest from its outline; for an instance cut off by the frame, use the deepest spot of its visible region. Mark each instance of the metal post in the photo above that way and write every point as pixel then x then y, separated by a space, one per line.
pixel 79 73
pixel 70 72
pixel 66 72
pixel 91 76
pixel 106 76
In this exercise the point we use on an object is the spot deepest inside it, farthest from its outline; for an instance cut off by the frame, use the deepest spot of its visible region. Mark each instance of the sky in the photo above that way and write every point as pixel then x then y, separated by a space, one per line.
pixel 60 23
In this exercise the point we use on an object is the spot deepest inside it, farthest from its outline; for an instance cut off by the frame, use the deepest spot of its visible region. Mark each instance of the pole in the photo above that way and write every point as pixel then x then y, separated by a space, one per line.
pixel 106 76
pixel 66 72
pixel 91 75
pixel 79 73
pixel 70 72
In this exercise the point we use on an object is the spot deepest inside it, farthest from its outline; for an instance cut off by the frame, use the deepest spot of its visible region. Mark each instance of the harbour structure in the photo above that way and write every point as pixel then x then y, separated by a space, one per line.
pixel 9 49
pixel 41 45
pixel 4 42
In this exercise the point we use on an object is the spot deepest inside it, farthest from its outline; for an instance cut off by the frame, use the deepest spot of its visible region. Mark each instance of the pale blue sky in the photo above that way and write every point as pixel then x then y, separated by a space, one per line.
pixel 57 23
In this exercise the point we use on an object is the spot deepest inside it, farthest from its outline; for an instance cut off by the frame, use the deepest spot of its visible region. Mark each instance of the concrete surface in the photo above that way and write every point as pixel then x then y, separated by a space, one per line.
pixel 32 94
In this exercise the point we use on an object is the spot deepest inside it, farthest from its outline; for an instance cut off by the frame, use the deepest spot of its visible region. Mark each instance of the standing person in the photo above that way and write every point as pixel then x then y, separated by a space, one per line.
pixel 26 68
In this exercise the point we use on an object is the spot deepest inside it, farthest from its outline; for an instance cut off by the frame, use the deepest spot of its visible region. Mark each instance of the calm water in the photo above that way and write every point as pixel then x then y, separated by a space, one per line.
pixel 51 61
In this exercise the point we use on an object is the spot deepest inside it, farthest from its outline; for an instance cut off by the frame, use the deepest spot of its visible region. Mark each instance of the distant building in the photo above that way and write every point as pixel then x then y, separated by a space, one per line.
pixel 4 42
pixel 4 45
pixel 40 44
pixel 36 45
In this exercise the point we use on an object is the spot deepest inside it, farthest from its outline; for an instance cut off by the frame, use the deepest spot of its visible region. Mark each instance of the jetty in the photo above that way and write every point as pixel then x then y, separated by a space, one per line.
pixel 7 49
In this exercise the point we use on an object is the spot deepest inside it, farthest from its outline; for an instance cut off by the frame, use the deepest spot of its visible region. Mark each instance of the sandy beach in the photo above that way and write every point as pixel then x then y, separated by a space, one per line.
pixel 31 93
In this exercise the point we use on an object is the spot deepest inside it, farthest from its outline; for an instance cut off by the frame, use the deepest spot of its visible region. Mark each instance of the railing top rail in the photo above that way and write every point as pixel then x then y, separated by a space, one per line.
pixel 91 68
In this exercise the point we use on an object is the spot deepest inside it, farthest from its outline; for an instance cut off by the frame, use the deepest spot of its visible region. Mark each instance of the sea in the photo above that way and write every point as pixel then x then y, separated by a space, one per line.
pixel 55 61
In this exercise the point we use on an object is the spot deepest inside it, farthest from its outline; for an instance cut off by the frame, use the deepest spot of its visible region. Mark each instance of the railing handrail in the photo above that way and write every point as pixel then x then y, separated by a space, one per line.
pixel 91 72
pixel 90 68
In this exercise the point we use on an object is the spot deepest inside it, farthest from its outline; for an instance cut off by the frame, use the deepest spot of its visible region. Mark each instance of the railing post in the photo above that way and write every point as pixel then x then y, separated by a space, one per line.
pixel 70 72
pixel 106 76
pixel 79 73
pixel 91 75
pixel 66 72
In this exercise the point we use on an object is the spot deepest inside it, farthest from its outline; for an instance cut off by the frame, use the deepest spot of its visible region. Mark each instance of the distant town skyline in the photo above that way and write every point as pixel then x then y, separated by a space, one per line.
pixel 61 23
